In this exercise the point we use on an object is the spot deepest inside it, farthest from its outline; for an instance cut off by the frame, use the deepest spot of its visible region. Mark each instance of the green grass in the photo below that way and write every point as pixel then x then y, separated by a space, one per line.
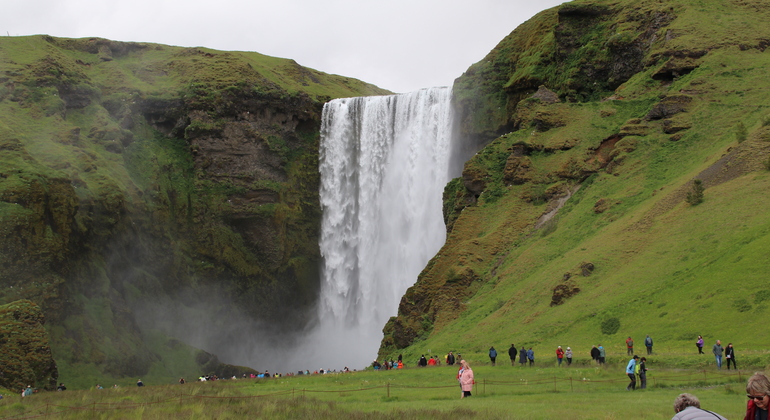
pixel 584 392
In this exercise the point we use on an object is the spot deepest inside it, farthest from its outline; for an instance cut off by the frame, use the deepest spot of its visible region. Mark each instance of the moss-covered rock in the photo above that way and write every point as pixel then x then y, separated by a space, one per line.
pixel 25 353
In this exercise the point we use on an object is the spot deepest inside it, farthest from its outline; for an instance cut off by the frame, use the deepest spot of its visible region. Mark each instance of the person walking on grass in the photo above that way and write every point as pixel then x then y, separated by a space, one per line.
pixel 642 373
pixel 648 344
pixel 630 346
pixel 531 356
pixel 602 355
pixel 699 343
pixel 466 379
pixel 568 356
pixel 730 356
pixel 631 373
pixel 512 352
pixel 523 356
pixel 559 355
pixel 717 350
pixel 492 355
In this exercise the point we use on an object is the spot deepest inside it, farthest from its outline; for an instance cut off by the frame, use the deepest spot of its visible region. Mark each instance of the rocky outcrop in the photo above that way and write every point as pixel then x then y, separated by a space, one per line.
pixel 25 353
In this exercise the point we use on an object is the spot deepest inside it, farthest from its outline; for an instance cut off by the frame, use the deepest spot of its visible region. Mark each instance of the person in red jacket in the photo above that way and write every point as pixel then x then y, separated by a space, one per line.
pixel 758 391
pixel 630 346
pixel 559 354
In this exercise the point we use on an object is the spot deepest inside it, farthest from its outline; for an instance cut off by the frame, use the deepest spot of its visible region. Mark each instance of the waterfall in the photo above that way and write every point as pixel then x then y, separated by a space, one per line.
pixel 384 162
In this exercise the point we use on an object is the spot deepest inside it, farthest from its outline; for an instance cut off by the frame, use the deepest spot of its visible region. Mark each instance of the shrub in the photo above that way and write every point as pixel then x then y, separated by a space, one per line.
pixel 695 196
pixel 761 296
pixel 610 326
pixel 741 305
pixel 741 133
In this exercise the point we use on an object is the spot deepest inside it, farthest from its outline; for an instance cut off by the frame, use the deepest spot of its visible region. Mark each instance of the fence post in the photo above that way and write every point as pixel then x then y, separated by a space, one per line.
pixel 388 388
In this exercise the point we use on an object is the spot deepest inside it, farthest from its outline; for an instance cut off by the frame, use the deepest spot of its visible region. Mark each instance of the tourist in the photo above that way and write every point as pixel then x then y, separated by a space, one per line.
pixel 466 379
pixel 758 391
pixel 595 354
pixel 642 373
pixel 699 343
pixel 61 387
pixel 648 344
pixel 523 356
pixel 730 356
pixel 631 372
pixel 568 356
pixel 531 356
pixel 602 355
pixel 512 354
pixel 629 346
pixel 492 355
pixel 717 350
pixel 139 383
pixel 559 355
pixel 687 407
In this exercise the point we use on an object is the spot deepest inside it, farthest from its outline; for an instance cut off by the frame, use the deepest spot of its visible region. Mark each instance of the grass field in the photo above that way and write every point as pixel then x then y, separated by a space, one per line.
pixel 580 392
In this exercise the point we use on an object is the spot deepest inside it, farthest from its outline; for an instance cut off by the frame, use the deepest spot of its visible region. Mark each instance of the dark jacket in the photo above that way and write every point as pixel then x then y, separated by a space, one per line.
pixel 730 353
pixel 523 355
pixel 512 352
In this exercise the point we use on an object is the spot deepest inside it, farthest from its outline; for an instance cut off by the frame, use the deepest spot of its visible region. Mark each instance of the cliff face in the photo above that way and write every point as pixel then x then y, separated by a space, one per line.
pixel 598 115
pixel 138 176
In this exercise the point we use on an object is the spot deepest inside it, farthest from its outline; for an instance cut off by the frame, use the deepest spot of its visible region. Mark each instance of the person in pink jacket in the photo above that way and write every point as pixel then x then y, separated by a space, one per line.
pixel 466 379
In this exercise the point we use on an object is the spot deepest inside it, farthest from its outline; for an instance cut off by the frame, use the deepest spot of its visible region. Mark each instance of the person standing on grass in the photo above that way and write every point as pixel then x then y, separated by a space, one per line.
pixel 492 355
pixel 631 372
pixel 512 354
pixel 531 356
pixel 643 373
pixel 595 354
pixel 699 343
pixel 648 344
pixel 568 356
pixel 466 379
pixel 602 355
pixel 523 356
pixel 758 391
pixel 730 356
pixel 687 407
pixel 717 350
pixel 630 346
pixel 559 355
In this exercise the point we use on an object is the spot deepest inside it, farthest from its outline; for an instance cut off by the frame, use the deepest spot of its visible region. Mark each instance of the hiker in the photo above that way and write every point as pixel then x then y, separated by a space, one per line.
pixel 602 355
pixel 631 372
pixel 568 356
pixel 512 354
pixel 450 359
pixel 648 344
pixel 687 407
pixel 630 346
pixel 523 356
pixel 559 355
pixel 139 383
pixel 595 354
pixel 730 356
pixel 758 391
pixel 699 343
pixel 531 356
pixel 717 350
pixel 492 355
pixel 423 361
pixel 642 372
pixel 466 379
pixel 431 361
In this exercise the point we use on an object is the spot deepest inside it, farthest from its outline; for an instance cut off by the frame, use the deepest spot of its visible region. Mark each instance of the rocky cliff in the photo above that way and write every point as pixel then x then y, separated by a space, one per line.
pixel 140 181
pixel 598 116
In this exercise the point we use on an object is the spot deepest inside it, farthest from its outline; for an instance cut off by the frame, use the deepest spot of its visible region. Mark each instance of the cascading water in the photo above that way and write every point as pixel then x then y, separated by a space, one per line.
pixel 384 162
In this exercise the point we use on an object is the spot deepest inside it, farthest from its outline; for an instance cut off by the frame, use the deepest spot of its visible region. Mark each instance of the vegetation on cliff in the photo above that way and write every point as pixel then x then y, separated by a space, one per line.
pixel 600 116
pixel 139 177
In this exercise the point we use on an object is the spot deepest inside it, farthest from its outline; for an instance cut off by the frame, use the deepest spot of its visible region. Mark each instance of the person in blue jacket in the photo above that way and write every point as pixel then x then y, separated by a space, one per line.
pixel 531 356
pixel 631 372
pixel 492 355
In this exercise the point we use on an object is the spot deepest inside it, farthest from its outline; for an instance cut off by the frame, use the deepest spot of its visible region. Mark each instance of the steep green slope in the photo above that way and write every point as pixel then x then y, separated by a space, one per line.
pixel 577 221
pixel 141 182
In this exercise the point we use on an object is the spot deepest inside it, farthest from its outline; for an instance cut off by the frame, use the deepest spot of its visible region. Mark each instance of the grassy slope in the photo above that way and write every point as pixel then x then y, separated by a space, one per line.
pixel 663 267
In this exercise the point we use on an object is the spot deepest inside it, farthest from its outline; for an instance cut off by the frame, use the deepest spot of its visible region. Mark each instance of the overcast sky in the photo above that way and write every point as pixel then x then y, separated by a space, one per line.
pixel 400 45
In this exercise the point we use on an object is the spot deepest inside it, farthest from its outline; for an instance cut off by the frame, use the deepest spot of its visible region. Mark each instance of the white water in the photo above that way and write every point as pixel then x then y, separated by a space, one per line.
pixel 384 162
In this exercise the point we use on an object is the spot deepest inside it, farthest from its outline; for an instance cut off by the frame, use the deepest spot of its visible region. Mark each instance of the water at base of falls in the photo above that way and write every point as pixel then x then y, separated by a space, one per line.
pixel 384 162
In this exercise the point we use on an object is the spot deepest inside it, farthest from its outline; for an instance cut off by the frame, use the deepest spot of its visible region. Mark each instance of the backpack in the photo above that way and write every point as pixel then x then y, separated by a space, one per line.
pixel 636 369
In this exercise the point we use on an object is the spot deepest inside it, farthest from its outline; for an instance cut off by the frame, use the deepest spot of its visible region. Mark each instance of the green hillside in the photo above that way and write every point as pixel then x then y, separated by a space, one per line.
pixel 573 226
pixel 147 182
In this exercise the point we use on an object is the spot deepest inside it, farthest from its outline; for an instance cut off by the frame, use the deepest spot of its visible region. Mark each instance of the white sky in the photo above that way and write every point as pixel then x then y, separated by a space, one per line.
pixel 400 45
